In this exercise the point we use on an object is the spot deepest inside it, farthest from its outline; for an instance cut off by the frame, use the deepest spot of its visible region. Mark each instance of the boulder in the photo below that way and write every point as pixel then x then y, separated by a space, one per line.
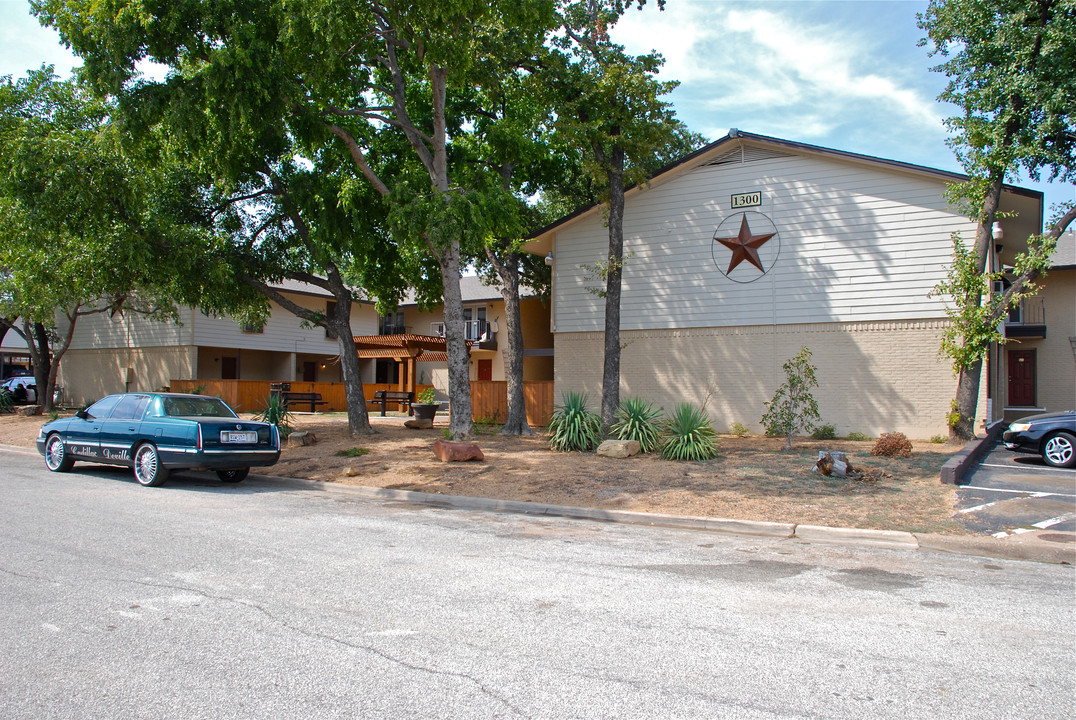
pixel 302 439
pixel 456 451
pixel 28 410
pixel 418 424
pixel 619 448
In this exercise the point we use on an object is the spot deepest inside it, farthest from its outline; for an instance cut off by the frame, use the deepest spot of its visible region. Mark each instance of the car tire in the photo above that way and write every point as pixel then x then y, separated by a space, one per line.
pixel 1059 450
pixel 148 469
pixel 234 475
pixel 56 457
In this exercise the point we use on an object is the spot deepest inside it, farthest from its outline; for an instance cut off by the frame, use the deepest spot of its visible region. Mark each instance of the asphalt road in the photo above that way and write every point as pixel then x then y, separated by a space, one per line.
pixel 273 599
pixel 1009 492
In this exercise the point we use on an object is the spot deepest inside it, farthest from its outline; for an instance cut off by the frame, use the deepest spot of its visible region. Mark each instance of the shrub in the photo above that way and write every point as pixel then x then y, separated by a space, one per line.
pixel 573 426
pixel 824 432
pixel 639 420
pixel 738 429
pixel 892 445
pixel 793 409
pixel 857 437
pixel 938 439
pixel 275 411
pixel 352 452
pixel 688 435
pixel 7 402
pixel 425 396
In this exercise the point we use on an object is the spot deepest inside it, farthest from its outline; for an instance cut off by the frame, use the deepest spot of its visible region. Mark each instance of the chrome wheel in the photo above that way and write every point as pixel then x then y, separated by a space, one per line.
pixel 56 458
pixel 1060 450
pixel 148 470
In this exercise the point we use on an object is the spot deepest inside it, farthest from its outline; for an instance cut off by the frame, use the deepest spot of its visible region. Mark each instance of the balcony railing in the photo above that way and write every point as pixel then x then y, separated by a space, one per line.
pixel 1027 319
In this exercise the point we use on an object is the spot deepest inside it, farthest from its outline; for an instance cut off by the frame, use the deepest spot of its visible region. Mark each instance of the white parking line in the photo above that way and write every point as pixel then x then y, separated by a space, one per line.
pixel 1054 521
pixel 1022 468
pixel 1016 492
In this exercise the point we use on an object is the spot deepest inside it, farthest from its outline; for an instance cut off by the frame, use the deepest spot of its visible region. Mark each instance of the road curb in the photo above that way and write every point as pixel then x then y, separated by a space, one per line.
pixel 736 527
pixel 954 469
pixel 894 539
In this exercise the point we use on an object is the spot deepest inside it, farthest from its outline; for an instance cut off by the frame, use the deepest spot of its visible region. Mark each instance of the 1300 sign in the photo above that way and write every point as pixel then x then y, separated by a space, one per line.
pixel 743 200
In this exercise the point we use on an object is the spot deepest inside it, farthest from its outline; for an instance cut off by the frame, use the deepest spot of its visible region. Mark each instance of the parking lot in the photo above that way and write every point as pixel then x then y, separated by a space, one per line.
pixel 1009 493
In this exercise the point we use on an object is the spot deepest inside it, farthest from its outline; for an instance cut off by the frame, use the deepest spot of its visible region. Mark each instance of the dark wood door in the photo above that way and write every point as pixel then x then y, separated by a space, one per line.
pixel 229 368
pixel 310 372
pixel 485 369
pixel 1021 378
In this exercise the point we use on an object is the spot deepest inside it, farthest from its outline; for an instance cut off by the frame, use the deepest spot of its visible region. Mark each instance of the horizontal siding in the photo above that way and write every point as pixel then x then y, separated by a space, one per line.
pixel 283 331
pixel 855 244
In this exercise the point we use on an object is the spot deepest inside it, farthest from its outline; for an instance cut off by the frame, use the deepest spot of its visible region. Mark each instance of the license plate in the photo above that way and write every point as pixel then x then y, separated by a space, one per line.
pixel 238 437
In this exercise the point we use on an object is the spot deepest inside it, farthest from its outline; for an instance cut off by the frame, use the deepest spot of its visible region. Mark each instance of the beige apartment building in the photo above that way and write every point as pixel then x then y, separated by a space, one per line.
pixel 753 247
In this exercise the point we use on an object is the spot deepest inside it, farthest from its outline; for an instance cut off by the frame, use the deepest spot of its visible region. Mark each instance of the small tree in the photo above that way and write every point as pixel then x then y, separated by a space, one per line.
pixel 793 409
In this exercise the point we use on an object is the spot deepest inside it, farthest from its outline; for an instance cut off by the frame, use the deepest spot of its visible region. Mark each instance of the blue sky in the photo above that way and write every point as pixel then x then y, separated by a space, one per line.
pixel 841 74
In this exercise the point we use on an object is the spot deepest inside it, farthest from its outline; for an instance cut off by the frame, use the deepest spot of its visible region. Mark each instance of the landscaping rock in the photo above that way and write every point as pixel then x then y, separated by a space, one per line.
pixel 351 472
pixel 302 439
pixel 28 410
pixel 418 424
pixel 456 451
pixel 619 448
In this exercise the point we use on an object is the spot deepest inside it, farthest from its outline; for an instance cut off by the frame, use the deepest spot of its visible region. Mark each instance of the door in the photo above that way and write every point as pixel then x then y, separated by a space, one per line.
pixel 310 372
pixel 485 369
pixel 1021 378
pixel 229 368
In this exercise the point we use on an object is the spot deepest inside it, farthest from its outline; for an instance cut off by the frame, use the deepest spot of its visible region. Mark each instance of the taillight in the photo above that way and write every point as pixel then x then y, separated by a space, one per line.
pixel 199 438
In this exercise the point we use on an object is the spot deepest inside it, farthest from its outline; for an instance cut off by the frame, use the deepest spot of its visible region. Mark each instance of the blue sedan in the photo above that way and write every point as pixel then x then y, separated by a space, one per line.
pixel 155 433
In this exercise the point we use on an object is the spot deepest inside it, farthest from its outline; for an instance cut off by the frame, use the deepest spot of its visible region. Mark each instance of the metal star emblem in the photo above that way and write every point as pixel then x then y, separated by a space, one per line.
pixel 745 246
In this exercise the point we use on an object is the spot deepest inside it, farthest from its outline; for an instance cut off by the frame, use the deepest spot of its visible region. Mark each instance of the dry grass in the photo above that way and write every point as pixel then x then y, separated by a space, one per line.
pixel 752 479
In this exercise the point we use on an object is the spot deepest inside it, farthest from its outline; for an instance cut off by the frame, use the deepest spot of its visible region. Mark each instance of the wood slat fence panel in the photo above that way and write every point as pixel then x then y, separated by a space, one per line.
pixel 489 398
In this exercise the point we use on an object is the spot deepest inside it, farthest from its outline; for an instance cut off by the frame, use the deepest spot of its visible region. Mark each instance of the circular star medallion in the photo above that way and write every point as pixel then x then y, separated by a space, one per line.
pixel 746 246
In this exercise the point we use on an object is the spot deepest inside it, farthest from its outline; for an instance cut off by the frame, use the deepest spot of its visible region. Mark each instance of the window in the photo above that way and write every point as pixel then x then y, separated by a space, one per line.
pixel 251 328
pixel 392 324
pixel 474 322
pixel 103 407
pixel 131 407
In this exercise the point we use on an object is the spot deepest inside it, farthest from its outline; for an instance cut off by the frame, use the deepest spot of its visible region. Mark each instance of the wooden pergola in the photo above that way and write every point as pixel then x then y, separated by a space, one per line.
pixel 406 350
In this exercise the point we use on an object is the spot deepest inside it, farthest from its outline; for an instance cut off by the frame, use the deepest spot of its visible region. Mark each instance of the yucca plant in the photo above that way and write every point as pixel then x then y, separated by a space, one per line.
pixel 275 411
pixel 7 402
pixel 688 435
pixel 573 426
pixel 639 420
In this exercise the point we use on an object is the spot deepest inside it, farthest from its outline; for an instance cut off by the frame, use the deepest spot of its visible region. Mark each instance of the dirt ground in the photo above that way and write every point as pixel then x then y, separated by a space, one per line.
pixel 752 479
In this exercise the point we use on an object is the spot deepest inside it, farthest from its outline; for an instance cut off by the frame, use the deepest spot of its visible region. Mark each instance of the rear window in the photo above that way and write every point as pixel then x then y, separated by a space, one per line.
pixel 196 407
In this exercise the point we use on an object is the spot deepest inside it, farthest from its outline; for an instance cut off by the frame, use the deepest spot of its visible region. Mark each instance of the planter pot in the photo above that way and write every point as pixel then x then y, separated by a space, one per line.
pixel 425 412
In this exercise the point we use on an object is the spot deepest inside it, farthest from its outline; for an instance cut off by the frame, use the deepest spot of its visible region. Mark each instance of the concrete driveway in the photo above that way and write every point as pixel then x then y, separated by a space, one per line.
pixel 1009 493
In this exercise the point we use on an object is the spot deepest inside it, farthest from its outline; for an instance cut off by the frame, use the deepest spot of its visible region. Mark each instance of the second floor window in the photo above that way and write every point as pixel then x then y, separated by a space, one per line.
pixel 392 324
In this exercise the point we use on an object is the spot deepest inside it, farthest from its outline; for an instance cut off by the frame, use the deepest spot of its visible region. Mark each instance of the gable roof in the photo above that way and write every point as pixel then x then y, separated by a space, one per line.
pixel 738 140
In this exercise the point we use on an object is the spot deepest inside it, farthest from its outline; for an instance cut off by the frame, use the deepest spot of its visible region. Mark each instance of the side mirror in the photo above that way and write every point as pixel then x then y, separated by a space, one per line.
pixel 82 415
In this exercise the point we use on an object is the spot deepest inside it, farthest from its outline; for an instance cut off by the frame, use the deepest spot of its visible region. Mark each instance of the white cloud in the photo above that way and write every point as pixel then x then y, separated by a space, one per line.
pixel 747 61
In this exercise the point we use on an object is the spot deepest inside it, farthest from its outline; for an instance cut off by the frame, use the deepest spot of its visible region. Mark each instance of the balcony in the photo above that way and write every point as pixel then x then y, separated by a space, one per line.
pixel 479 331
pixel 1027 320
pixel 390 329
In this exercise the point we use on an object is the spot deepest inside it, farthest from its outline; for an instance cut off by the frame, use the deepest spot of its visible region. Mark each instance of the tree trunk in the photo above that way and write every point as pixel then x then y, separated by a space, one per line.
pixel 967 393
pixel 611 367
pixel 461 419
pixel 358 419
pixel 508 272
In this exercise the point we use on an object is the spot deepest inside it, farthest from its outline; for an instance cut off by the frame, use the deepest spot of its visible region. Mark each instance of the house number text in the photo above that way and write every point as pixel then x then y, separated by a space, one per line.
pixel 743 200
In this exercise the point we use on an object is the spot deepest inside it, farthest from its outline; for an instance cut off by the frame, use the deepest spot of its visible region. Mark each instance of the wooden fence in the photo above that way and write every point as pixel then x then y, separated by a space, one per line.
pixel 489 398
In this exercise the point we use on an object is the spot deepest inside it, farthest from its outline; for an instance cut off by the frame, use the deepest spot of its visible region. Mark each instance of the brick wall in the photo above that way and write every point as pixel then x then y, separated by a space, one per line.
pixel 873 377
